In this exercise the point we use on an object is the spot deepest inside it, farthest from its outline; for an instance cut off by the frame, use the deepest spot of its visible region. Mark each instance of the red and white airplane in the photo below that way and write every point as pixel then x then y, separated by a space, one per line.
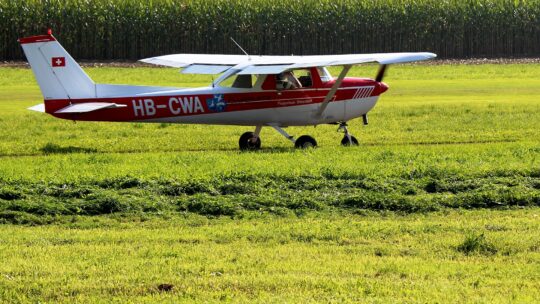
pixel 273 91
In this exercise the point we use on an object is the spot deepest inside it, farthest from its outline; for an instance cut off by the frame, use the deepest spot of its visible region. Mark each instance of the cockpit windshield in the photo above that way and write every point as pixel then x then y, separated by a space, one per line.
pixel 325 75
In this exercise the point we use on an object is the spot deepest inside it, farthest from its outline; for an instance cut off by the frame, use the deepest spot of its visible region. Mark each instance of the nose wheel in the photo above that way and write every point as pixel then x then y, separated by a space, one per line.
pixel 352 141
pixel 348 139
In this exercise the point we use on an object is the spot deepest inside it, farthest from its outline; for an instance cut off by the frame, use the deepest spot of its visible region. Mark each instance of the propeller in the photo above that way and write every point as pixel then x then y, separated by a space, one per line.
pixel 380 74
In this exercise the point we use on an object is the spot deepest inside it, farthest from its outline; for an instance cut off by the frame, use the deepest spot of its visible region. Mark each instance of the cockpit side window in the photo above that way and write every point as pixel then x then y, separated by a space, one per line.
pixel 304 77
pixel 295 79
pixel 287 81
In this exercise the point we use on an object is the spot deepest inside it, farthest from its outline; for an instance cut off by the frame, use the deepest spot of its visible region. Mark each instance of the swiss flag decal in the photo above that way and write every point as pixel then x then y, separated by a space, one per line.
pixel 58 62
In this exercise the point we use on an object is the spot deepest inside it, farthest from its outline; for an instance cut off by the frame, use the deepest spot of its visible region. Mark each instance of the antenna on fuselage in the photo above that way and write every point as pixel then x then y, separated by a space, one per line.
pixel 238 45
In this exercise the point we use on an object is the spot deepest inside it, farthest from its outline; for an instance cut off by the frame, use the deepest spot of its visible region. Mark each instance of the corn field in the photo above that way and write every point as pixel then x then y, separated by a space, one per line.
pixel 134 29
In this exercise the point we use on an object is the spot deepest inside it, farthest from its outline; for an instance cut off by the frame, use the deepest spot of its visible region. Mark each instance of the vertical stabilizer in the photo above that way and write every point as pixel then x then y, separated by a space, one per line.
pixel 57 73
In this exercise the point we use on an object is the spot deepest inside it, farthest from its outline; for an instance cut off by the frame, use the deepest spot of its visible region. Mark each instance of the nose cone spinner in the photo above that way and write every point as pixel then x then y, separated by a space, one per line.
pixel 383 87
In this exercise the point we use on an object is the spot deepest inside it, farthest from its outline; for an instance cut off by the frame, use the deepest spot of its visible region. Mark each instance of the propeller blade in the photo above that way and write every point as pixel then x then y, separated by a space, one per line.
pixel 380 74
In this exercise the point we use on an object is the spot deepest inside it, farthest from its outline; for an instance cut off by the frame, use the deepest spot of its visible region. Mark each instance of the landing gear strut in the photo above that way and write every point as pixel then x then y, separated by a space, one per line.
pixel 303 142
pixel 348 139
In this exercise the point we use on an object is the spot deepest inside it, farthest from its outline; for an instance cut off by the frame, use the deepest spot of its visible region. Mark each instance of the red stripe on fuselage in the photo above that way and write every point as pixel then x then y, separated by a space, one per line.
pixel 154 107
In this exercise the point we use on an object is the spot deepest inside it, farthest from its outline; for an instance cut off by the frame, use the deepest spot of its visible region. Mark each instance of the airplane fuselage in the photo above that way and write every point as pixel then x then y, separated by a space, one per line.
pixel 233 106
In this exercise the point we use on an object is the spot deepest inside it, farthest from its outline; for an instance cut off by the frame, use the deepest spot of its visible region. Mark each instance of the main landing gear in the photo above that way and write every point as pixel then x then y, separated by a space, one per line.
pixel 252 141
pixel 248 141
pixel 304 142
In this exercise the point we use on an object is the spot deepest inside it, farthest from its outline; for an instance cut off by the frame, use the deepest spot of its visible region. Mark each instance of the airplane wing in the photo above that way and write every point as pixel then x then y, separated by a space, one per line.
pixel 215 64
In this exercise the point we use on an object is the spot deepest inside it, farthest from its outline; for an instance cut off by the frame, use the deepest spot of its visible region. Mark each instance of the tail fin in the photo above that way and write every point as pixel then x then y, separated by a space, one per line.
pixel 57 73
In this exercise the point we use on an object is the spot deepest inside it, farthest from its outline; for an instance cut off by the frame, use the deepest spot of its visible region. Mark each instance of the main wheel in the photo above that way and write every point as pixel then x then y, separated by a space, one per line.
pixel 345 141
pixel 246 142
pixel 305 141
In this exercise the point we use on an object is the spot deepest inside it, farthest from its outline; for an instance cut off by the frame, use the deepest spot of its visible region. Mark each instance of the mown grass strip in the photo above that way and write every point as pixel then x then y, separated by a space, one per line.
pixel 238 194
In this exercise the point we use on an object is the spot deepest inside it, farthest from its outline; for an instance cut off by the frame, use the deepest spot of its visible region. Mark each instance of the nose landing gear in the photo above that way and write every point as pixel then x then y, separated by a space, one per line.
pixel 348 139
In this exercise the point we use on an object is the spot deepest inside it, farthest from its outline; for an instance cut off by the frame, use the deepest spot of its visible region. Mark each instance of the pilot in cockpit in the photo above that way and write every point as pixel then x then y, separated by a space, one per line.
pixel 287 81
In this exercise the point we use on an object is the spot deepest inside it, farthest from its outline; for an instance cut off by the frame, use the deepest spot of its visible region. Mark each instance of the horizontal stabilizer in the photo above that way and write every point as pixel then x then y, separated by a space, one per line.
pixel 89 107
pixel 38 108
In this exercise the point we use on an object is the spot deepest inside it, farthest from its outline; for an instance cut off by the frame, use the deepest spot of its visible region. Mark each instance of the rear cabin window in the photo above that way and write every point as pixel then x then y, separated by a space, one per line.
pixel 239 81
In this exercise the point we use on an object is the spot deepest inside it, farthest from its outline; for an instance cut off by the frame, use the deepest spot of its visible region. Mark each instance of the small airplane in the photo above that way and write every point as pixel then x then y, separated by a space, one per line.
pixel 259 91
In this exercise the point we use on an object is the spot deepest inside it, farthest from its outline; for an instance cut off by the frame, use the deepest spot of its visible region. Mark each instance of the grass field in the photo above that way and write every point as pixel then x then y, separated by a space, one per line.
pixel 438 204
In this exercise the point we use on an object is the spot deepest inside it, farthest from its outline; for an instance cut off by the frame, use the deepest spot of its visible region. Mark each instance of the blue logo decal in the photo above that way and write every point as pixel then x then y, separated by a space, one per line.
pixel 217 103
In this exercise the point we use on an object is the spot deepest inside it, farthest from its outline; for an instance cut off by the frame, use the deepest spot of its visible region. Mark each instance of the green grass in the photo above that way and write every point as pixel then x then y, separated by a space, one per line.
pixel 439 203
pixel 370 259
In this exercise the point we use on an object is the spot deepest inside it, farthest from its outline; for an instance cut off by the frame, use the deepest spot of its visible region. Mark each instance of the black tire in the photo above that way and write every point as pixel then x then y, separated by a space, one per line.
pixel 345 141
pixel 305 142
pixel 245 142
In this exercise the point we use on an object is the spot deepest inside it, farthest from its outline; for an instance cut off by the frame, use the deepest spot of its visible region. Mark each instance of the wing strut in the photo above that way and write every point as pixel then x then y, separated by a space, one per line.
pixel 333 90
